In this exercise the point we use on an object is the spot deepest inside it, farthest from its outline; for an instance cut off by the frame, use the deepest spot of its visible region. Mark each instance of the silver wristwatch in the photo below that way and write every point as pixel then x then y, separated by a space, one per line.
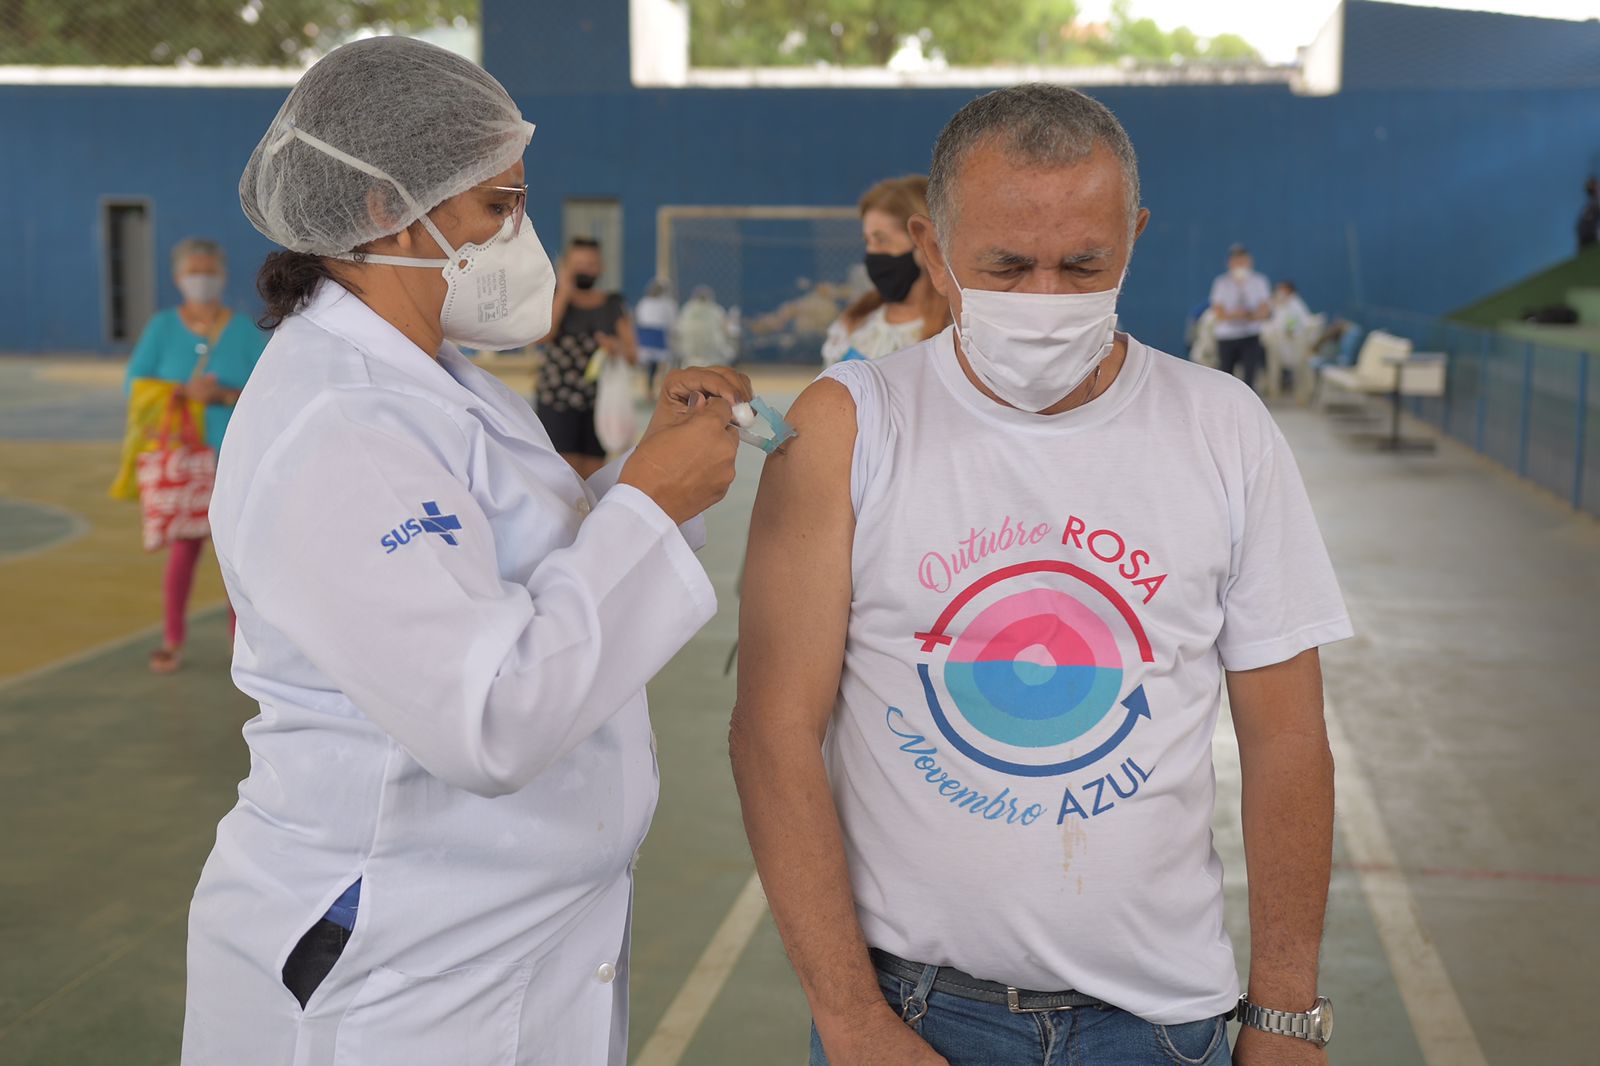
pixel 1314 1026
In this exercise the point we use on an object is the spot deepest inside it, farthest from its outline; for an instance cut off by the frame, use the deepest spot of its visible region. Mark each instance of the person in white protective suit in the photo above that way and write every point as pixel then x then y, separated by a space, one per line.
pixel 448 631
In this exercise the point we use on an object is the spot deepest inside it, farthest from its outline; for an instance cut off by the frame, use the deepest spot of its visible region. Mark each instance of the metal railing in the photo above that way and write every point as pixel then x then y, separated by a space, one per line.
pixel 1528 406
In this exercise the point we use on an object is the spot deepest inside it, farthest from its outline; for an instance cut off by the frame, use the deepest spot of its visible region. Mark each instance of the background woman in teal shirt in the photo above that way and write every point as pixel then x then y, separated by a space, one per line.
pixel 209 352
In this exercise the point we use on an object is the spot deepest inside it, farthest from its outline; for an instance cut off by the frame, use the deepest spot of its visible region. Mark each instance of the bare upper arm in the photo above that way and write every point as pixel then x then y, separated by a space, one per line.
pixel 795 605
pixel 1284 698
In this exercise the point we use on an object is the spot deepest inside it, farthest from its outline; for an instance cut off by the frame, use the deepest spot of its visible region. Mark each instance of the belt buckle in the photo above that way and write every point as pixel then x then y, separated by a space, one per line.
pixel 1014 1004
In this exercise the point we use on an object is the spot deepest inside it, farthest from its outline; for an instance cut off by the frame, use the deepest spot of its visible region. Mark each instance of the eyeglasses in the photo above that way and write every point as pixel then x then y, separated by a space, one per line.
pixel 519 208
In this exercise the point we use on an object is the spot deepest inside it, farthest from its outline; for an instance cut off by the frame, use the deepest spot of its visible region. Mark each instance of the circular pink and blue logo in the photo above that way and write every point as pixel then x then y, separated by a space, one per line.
pixel 1034 670
pixel 1032 681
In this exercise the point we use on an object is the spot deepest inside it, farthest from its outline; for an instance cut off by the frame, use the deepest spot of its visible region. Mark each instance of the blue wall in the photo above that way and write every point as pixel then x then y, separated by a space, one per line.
pixel 1392 46
pixel 1420 198
pixel 67 148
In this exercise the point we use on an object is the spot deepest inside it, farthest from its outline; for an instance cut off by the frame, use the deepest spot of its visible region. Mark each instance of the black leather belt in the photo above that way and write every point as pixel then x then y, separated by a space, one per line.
pixel 954 982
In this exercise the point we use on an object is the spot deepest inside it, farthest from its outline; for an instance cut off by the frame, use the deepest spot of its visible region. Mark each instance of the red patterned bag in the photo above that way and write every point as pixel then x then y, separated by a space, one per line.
pixel 175 482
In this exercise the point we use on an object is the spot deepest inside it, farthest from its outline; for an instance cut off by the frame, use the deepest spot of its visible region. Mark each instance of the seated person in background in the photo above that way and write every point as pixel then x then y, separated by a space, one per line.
pixel 1289 311
pixel 1202 336
pixel 903 307
pixel 1285 336
pixel 703 336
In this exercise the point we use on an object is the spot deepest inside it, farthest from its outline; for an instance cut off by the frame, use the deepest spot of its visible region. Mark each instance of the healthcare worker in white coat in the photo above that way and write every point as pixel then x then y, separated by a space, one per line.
pixel 448 631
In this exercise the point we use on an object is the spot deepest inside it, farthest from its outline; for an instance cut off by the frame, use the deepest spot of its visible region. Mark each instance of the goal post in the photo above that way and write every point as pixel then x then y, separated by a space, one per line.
pixel 782 273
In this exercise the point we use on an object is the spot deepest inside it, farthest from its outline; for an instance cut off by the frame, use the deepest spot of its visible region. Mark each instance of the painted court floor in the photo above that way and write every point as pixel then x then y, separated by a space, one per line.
pixel 1464 920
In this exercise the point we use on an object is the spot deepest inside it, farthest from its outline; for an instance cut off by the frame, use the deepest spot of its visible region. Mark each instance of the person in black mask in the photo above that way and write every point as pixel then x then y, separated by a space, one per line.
pixel 1589 218
pixel 587 319
pixel 902 307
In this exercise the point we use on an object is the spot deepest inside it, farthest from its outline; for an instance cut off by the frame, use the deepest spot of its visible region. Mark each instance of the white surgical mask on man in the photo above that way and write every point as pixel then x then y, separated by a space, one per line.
pixel 202 288
pixel 1239 273
pixel 1033 349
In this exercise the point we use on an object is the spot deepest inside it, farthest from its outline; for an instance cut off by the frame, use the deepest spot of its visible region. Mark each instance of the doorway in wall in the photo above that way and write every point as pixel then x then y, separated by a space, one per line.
pixel 602 220
pixel 128 270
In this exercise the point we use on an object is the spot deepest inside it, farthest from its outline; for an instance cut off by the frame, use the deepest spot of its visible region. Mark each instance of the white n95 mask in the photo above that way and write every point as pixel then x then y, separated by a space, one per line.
pixel 1033 349
pixel 500 293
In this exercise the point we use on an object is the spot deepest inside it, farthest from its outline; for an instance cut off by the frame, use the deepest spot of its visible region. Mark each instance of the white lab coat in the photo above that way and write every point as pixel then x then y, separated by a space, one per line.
pixel 461 726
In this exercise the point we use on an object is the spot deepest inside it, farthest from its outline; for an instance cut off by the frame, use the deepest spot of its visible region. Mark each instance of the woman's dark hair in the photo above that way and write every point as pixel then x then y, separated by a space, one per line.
pixel 287 280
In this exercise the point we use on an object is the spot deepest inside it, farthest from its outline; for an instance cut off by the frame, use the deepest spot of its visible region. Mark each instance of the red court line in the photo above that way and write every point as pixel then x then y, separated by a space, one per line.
pixel 1525 876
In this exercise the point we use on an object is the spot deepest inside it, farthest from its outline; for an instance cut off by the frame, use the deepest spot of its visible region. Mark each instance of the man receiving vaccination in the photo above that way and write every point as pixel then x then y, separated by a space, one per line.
pixel 993 588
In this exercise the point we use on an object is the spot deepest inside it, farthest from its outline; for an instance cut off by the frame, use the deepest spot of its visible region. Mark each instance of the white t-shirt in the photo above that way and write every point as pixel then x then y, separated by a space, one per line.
pixel 653 319
pixel 702 336
pixel 1289 315
pixel 874 338
pixel 1042 608
pixel 1251 294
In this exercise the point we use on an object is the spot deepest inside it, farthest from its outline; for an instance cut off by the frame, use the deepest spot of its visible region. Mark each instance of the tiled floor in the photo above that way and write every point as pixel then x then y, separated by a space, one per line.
pixel 1468 704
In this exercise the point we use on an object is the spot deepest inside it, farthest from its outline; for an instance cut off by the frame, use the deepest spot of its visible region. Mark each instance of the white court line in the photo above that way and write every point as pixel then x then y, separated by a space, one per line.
pixel 688 1009
pixel 1437 1018
pixel 77 658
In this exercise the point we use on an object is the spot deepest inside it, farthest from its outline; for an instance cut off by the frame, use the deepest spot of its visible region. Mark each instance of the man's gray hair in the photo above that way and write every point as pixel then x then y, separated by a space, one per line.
pixel 198 246
pixel 1036 124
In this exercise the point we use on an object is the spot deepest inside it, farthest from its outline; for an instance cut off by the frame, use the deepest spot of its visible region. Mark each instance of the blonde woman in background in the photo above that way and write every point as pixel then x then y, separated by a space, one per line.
pixel 903 306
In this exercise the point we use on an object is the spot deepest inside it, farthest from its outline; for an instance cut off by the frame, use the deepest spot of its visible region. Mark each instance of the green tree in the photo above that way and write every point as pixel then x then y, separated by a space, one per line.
pixel 1183 44
pixel 1230 47
pixel 756 33
pixel 1137 38
pixel 1142 39
pixel 738 33
pixel 208 32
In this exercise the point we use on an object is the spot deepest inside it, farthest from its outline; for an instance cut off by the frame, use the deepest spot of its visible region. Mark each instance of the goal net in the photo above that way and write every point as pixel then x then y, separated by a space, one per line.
pixel 782 274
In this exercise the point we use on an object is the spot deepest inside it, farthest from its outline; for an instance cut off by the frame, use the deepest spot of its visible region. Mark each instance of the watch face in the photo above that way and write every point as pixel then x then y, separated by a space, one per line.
pixel 1325 1020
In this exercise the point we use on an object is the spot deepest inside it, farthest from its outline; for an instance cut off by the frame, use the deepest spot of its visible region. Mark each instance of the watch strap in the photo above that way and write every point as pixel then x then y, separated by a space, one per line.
pixel 1301 1025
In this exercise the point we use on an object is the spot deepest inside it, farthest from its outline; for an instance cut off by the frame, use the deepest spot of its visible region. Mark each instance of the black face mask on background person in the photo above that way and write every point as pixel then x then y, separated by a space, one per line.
pixel 585 281
pixel 893 275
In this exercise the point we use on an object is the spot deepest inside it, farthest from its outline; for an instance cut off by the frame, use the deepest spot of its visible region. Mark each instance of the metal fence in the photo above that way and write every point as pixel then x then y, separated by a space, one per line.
pixel 1528 406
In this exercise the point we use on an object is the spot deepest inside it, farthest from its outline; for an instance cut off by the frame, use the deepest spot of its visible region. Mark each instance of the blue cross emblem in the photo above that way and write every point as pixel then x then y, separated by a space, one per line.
pixel 442 524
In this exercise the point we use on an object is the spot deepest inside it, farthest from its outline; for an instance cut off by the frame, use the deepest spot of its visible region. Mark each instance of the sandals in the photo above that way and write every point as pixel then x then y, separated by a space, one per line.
pixel 166 660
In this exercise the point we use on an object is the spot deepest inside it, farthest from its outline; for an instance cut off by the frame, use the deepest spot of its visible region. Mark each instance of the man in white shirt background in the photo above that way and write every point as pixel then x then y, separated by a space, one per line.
pixel 1242 301
pixel 991 591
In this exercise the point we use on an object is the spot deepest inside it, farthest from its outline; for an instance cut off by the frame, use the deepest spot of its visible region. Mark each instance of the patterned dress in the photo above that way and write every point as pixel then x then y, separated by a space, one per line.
pixel 561 385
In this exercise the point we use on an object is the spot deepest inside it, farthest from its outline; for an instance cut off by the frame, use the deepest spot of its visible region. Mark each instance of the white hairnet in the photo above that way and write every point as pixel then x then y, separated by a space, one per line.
pixel 374 135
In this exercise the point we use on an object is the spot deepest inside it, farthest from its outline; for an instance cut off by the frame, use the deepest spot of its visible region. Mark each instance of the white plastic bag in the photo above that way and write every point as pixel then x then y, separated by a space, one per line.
pixel 615 421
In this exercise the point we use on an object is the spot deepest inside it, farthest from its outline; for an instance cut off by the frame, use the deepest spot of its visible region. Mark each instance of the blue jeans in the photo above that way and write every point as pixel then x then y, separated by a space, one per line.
pixel 969 1033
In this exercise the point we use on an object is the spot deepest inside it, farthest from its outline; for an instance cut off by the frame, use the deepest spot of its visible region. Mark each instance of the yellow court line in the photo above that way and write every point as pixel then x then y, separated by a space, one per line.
pixel 97 589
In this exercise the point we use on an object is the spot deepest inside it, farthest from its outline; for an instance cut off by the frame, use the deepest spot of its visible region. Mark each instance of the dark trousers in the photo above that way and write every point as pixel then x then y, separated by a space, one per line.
pixel 313 958
pixel 1242 351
